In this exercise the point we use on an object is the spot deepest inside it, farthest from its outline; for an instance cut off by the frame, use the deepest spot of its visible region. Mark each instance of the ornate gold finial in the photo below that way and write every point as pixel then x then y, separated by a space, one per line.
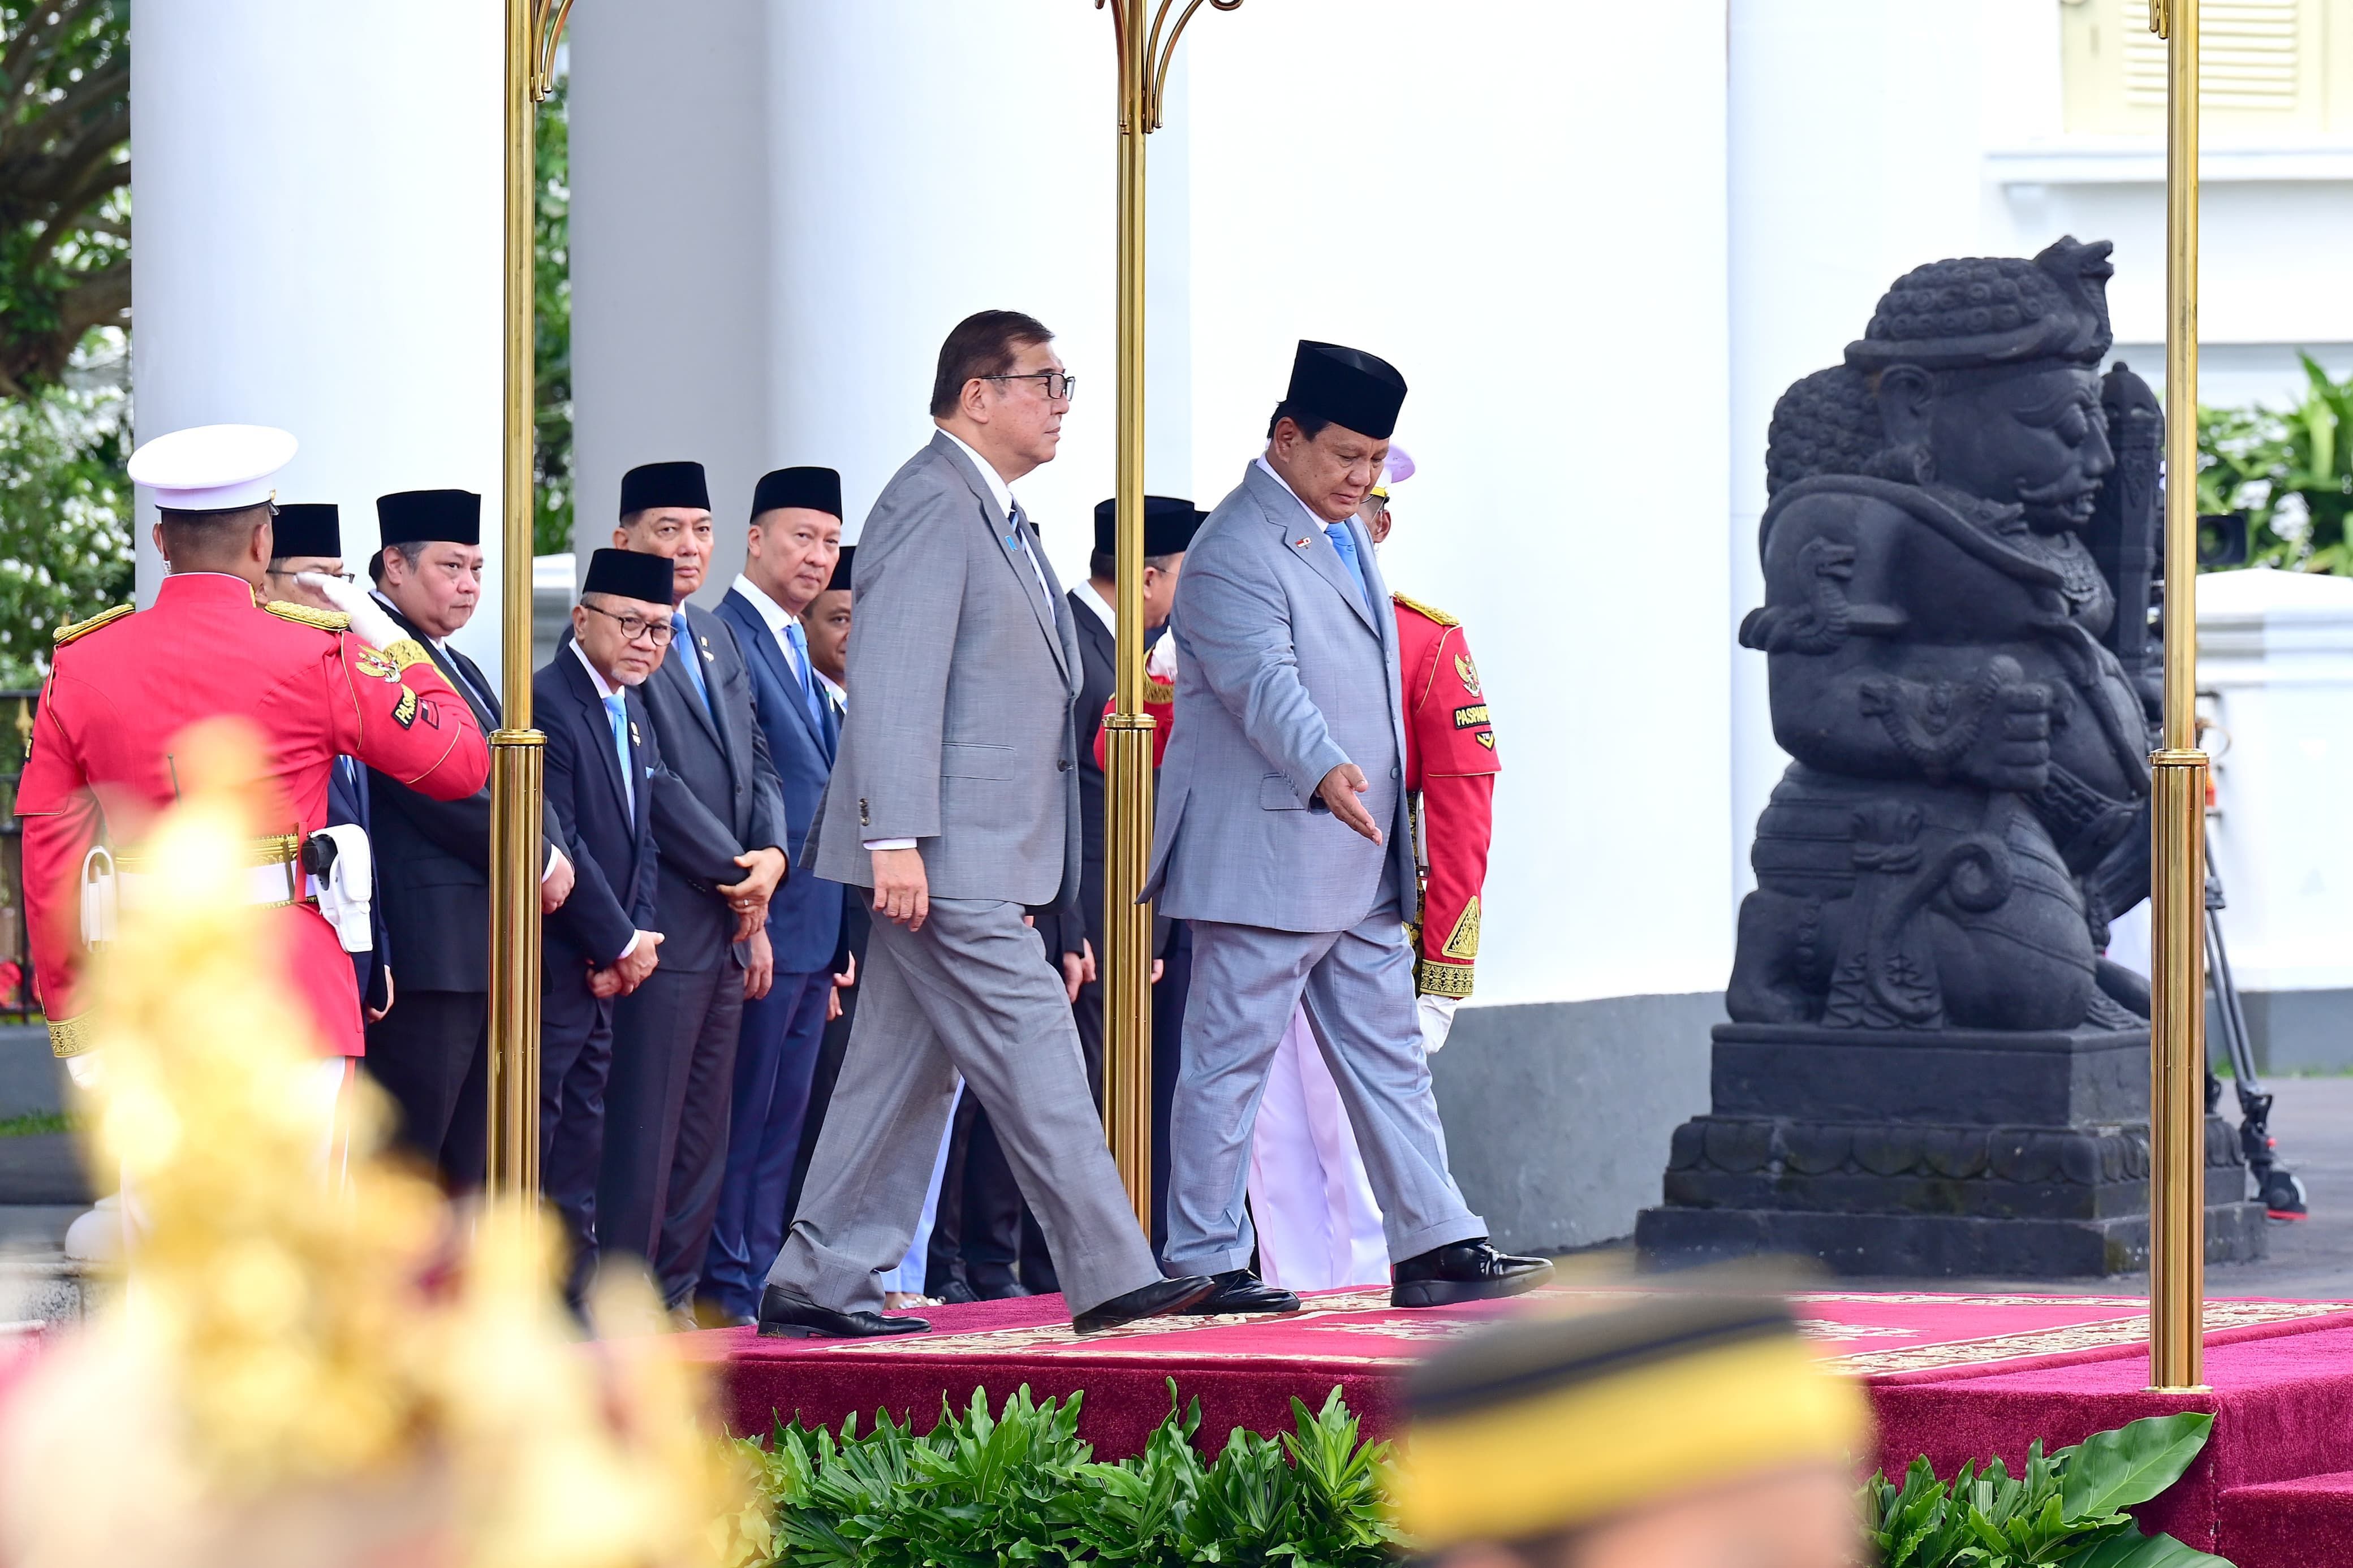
pixel 2160 17
pixel 1159 47
pixel 547 19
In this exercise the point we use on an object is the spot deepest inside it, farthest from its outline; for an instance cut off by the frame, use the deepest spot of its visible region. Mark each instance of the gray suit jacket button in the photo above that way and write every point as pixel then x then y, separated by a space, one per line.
pixel 1393 772
pixel 1063 765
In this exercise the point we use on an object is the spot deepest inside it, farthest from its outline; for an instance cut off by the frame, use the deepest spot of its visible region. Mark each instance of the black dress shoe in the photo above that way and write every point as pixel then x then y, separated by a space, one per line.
pixel 1156 1300
pixel 956 1293
pixel 790 1316
pixel 1463 1271
pixel 1239 1290
pixel 997 1285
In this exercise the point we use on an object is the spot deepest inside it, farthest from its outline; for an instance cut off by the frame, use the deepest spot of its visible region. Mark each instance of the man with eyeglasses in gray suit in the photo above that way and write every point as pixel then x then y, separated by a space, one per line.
pixel 953 807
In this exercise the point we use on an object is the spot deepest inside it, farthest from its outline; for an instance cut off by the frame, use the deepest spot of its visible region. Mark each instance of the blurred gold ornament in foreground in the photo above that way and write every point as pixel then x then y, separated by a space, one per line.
pixel 313 1366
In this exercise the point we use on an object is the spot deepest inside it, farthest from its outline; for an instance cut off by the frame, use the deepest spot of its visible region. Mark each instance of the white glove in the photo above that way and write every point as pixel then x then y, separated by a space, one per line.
pixel 88 1069
pixel 369 622
pixel 1160 664
pixel 1437 1019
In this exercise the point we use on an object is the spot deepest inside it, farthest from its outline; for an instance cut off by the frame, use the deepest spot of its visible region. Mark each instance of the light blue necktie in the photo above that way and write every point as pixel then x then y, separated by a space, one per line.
pixel 617 708
pixel 809 699
pixel 685 642
pixel 1337 532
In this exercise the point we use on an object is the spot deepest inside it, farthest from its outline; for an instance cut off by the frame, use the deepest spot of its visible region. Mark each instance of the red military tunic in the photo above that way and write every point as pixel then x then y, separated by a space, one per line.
pixel 1450 767
pixel 123 686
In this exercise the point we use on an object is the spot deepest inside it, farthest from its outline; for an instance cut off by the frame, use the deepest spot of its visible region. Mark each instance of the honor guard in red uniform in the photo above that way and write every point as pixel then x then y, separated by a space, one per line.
pixel 122 687
pixel 1450 772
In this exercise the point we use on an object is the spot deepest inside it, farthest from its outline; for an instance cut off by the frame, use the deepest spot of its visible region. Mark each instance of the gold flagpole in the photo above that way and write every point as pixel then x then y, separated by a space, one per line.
pixel 1143 57
pixel 518 754
pixel 2176 1198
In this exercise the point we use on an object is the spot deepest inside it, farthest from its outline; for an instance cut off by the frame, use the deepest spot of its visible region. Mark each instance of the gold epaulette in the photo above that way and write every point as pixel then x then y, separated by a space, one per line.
pixel 303 615
pixel 66 634
pixel 1419 608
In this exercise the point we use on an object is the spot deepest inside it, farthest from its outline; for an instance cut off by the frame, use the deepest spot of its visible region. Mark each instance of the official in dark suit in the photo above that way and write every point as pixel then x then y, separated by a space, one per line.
pixel 791 557
pixel 309 539
pixel 603 767
pixel 432 857
pixel 721 826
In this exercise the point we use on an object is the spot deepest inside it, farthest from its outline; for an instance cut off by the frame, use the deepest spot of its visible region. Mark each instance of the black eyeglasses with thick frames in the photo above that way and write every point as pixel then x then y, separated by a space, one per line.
pixel 1060 386
pixel 635 627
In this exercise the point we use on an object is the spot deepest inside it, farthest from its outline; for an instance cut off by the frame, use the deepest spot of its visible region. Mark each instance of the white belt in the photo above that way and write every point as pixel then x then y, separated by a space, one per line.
pixel 110 885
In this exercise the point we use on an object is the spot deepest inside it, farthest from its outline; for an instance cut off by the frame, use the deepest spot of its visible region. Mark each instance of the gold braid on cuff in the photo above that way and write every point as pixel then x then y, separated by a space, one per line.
pixel 1434 979
pixel 71 1037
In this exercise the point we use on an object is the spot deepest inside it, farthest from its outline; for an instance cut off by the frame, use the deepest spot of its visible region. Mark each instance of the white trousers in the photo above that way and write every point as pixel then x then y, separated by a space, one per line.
pixel 1319 1226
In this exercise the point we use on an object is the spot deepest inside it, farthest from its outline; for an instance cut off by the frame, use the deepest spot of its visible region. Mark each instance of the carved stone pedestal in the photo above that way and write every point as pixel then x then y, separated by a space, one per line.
pixel 1954 1153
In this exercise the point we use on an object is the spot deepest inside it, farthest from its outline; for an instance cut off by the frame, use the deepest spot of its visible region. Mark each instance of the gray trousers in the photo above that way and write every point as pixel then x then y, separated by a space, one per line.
pixel 970 994
pixel 1358 989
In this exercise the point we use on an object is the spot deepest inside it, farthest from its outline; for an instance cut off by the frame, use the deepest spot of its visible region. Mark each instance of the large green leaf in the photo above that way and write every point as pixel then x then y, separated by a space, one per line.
pixel 2114 1470
pixel 2143 1551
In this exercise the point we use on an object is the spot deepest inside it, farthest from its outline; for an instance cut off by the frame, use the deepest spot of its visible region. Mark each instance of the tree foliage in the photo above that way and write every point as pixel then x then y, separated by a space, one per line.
pixel 552 288
pixel 65 519
pixel 65 181
pixel 2290 470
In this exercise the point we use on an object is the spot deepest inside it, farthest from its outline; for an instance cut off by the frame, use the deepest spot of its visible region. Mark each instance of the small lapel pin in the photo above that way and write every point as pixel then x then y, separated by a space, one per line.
pixel 1300 542
pixel 634 741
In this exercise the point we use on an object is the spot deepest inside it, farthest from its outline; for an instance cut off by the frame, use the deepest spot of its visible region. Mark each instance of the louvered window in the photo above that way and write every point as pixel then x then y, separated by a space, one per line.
pixel 2267 67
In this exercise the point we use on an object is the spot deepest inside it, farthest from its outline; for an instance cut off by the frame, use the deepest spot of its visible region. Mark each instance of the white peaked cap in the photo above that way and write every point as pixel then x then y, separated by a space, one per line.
pixel 1399 470
pixel 213 467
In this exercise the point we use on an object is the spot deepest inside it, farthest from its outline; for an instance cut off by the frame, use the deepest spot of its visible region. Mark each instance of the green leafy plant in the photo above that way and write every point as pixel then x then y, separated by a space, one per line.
pixel 552 324
pixel 2290 470
pixel 1020 1486
pixel 2065 1509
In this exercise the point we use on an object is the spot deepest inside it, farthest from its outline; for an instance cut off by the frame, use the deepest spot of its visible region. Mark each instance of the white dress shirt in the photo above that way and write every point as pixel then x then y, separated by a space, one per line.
pixel 776 617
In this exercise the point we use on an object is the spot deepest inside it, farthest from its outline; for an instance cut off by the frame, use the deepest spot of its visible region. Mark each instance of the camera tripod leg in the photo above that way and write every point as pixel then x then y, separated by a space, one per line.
pixel 2282 1194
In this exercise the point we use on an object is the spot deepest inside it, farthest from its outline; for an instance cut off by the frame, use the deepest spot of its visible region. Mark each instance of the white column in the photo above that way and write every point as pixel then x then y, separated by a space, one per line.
pixel 317 209
pixel 2275 649
pixel 672 258
pixel 778 213
pixel 1522 205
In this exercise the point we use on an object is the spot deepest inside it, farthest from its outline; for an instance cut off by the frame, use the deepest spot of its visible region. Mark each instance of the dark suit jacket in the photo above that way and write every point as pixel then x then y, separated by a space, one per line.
pixel 1099 661
pixel 347 805
pixel 720 794
pixel 805 918
pixel 612 846
pixel 433 856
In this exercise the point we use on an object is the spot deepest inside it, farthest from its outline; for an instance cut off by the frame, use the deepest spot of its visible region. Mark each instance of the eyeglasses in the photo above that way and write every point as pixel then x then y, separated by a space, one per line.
pixel 635 627
pixel 1059 386
pixel 340 576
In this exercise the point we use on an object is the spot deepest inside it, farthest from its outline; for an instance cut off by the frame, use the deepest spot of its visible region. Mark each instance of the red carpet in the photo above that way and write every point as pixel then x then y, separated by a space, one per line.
pixel 1956 1378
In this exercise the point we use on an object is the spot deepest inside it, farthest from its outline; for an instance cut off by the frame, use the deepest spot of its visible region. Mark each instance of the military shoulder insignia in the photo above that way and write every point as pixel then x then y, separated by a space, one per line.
pixel 66 634
pixel 1470 674
pixel 404 712
pixel 368 661
pixel 305 615
pixel 1427 612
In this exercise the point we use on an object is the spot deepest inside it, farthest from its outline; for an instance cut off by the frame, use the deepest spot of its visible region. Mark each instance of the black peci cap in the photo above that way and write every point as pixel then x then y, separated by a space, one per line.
pixel 1169 524
pixel 817 489
pixel 650 484
pixel 1352 389
pixel 629 575
pixel 449 517
pixel 309 527
pixel 840 581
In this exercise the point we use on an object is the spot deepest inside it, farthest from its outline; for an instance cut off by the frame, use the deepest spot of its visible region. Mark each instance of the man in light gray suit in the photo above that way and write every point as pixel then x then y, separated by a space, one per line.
pixel 955 799
pixel 1281 833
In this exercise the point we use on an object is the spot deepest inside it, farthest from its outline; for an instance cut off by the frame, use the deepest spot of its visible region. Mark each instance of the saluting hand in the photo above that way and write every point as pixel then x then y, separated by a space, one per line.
pixel 1339 791
pixel 902 893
